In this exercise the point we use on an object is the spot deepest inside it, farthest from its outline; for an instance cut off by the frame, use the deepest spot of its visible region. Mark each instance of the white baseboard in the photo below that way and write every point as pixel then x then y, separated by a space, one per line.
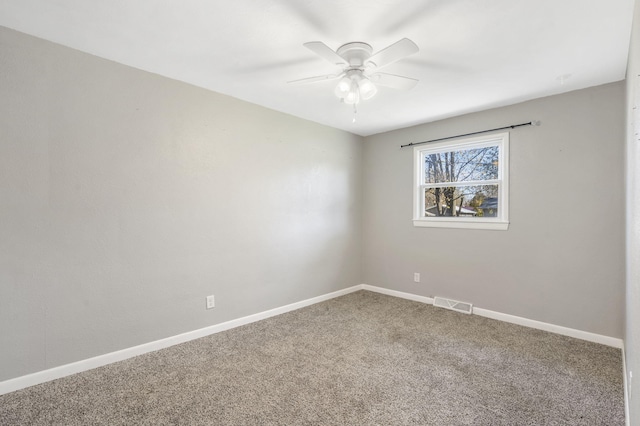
pixel 626 387
pixel 565 331
pixel 400 294
pixel 101 360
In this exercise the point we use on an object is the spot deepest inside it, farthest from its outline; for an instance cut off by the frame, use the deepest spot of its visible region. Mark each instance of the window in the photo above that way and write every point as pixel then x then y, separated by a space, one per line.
pixel 462 184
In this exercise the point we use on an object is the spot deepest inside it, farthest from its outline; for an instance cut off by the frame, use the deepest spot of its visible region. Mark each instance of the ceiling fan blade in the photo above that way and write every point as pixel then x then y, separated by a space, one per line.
pixel 316 79
pixel 324 51
pixel 393 81
pixel 393 53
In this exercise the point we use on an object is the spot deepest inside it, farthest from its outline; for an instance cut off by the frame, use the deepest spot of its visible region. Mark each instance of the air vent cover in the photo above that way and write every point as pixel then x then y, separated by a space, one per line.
pixel 454 305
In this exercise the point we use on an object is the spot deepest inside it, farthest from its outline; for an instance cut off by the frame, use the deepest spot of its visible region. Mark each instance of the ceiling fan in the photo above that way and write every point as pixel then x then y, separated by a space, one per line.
pixel 360 76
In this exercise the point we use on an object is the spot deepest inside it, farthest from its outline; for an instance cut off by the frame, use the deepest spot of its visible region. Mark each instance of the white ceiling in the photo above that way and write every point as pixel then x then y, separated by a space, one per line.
pixel 474 54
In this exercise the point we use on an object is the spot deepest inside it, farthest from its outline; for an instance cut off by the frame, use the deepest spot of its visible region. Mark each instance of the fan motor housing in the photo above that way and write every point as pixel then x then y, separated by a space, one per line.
pixel 355 53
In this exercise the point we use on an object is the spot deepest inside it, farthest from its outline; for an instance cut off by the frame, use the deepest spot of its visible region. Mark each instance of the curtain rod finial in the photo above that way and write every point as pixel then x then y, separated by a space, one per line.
pixel 535 122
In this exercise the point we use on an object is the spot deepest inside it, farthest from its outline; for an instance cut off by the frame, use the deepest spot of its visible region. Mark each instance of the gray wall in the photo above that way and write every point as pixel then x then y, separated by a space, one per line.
pixel 632 331
pixel 562 259
pixel 126 198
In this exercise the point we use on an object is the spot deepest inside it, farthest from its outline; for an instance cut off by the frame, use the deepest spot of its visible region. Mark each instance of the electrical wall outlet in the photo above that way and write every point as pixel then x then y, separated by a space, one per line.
pixel 211 302
pixel 416 277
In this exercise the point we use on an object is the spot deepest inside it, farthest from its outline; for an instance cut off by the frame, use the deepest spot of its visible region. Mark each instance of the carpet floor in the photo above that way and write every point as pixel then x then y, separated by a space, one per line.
pixel 360 359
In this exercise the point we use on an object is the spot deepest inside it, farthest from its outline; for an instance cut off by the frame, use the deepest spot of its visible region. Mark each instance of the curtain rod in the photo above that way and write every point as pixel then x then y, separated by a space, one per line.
pixel 531 123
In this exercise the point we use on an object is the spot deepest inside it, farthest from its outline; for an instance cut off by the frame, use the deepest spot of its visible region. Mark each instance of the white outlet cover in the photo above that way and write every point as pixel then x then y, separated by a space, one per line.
pixel 211 302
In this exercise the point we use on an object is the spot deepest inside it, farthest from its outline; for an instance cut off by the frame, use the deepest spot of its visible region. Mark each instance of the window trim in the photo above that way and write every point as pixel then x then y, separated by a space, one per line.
pixel 501 222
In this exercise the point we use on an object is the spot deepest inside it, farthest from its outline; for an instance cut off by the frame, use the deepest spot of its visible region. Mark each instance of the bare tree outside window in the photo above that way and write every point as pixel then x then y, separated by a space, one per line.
pixel 462 166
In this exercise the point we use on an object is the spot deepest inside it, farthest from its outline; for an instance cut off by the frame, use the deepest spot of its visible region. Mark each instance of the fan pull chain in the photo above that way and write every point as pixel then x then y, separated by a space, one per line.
pixel 355 111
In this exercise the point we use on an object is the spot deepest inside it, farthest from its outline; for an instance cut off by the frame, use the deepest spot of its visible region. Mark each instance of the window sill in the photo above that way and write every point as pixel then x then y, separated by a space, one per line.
pixel 461 224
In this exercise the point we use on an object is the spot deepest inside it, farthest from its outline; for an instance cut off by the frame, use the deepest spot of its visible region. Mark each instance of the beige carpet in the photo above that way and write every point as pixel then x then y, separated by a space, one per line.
pixel 361 359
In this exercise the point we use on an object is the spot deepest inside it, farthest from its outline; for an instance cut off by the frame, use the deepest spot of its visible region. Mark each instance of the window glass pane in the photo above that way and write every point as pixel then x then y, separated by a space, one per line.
pixel 462 165
pixel 462 201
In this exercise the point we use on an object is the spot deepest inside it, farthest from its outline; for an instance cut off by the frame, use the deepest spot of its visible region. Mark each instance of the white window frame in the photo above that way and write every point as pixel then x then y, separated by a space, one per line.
pixel 501 222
